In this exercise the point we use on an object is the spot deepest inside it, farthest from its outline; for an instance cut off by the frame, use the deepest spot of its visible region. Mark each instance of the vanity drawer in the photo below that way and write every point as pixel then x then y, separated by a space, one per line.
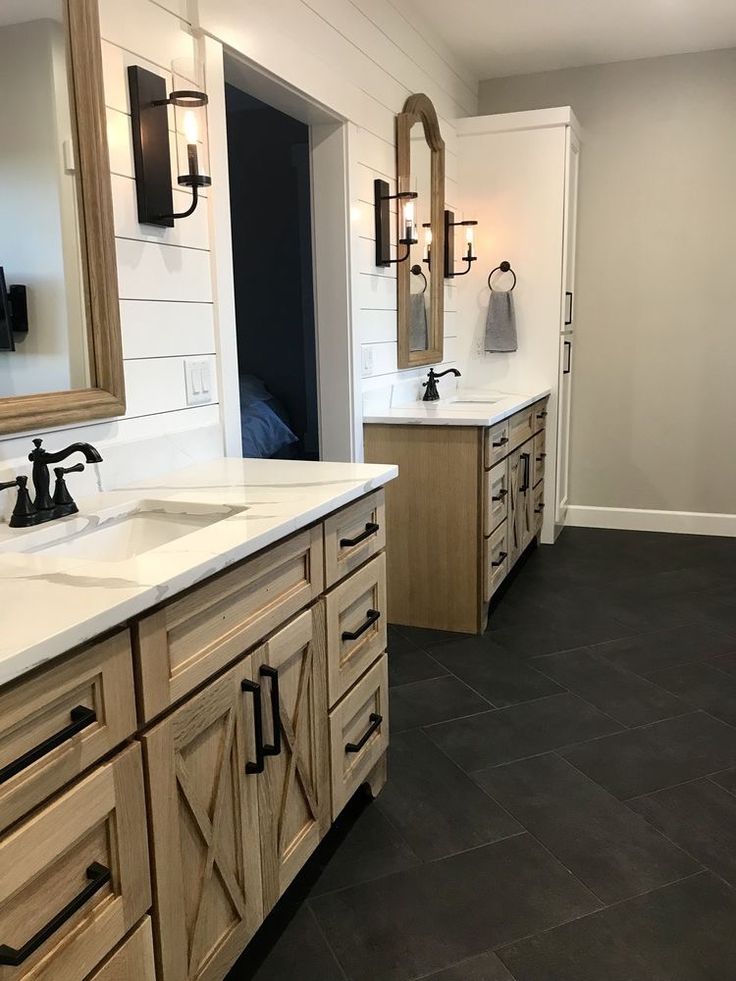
pixel 540 414
pixel 362 713
pixel 495 560
pixel 74 877
pixel 496 496
pixel 356 607
pixel 133 960
pixel 539 455
pixel 192 638
pixel 56 723
pixel 538 517
pixel 353 535
pixel 496 444
pixel 522 427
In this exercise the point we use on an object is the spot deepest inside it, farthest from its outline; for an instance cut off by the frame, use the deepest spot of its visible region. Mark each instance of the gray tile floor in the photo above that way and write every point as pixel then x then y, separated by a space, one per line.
pixel 562 795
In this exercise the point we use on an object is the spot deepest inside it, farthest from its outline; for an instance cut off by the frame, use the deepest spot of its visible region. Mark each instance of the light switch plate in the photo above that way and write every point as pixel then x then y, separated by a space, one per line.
pixel 198 381
pixel 367 360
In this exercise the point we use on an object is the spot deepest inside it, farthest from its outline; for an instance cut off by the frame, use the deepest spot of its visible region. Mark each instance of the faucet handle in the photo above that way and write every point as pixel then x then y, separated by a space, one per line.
pixel 24 514
pixel 60 471
pixel 64 503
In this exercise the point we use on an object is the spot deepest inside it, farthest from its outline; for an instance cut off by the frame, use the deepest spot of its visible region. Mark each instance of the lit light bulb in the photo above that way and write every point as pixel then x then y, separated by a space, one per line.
pixel 409 221
pixel 470 235
pixel 191 129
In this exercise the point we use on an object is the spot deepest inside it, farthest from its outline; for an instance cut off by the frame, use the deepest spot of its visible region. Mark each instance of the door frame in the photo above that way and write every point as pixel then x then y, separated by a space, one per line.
pixel 338 395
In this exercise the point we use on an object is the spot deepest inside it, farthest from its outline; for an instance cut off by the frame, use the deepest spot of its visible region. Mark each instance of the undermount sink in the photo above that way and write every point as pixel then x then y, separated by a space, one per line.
pixel 478 400
pixel 122 533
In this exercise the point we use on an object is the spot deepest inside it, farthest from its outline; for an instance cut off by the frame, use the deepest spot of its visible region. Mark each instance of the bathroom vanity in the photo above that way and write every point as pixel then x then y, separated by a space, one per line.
pixel 194 683
pixel 468 502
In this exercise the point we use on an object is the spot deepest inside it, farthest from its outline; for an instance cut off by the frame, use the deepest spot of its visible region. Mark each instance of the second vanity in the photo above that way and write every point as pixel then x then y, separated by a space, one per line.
pixel 181 723
pixel 468 502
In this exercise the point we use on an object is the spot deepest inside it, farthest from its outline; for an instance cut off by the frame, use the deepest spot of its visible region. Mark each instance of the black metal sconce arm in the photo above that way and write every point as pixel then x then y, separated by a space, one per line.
pixel 383 223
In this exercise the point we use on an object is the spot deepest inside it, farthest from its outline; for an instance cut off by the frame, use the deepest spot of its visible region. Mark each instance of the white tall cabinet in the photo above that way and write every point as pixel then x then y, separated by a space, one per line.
pixel 518 177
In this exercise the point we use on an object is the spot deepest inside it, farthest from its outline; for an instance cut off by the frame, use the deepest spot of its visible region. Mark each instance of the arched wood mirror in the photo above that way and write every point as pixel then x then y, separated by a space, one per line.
pixel 421 168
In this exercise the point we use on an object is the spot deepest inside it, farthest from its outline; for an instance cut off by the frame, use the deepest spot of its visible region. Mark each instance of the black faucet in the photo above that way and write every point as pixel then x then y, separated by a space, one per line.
pixel 432 394
pixel 44 507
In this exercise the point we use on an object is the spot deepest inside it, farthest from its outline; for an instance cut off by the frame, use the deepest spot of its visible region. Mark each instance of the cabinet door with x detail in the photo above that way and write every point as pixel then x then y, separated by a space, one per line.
pixel 294 790
pixel 205 834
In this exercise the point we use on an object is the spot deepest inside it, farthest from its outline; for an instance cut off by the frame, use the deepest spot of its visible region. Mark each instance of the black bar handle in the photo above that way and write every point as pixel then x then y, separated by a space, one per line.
pixel 98 877
pixel 370 618
pixel 502 556
pixel 375 725
pixel 255 690
pixel 543 414
pixel 274 748
pixel 525 458
pixel 568 352
pixel 568 303
pixel 502 442
pixel 500 496
pixel 371 528
pixel 538 510
pixel 81 717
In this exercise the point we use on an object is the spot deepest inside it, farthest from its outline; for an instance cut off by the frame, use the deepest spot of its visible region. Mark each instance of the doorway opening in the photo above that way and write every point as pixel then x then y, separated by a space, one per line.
pixel 271 212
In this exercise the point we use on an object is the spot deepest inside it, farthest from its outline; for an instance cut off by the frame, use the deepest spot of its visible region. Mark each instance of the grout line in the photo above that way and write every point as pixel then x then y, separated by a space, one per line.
pixel 324 936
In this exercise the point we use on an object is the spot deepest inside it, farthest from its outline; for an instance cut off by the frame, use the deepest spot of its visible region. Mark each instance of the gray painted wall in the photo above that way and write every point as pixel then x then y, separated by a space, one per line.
pixel 654 397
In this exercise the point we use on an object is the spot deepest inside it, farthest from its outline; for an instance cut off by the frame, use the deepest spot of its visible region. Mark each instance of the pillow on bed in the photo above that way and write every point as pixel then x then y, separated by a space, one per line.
pixel 264 433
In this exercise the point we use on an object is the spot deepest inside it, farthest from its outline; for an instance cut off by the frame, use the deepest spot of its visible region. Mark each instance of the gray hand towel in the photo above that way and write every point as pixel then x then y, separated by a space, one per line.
pixel 501 323
pixel 418 332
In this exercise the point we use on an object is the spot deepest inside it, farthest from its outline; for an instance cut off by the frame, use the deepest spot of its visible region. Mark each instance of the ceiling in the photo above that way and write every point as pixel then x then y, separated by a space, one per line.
pixel 493 39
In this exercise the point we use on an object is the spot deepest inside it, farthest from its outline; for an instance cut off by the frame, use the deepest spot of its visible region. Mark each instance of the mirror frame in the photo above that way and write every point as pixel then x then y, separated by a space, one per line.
pixel 20 413
pixel 419 109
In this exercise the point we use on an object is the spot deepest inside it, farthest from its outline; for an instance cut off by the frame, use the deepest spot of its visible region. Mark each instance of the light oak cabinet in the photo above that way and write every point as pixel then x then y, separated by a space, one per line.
pixel 228 728
pixel 468 502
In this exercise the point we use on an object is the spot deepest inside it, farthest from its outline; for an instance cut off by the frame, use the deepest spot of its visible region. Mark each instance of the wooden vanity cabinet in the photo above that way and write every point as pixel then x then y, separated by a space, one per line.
pixel 467 504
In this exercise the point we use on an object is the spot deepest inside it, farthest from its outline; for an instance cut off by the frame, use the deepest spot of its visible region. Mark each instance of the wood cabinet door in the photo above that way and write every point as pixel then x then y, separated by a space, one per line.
pixel 521 511
pixel 294 790
pixel 204 821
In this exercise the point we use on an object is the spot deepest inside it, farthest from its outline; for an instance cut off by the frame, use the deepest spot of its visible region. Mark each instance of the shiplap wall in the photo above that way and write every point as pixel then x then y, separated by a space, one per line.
pixel 360 62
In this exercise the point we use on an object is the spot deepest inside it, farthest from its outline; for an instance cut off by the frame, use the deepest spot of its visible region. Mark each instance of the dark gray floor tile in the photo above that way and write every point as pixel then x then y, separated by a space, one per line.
pixel 429 918
pixel 436 807
pixel 726 663
pixel 726 779
pixel 362 845
pixel 626 697
pixel 683 932
pixel 485 967
pixel 397 643
pixel 521 730
pixel 717 608
pixel 503 678
pixel 614 852
pixel 704 686
pixel 649 652
pixel 427 636
pixel 701 818
pixel 624 603
pixel 406 666
pixel 640 761
pixel 290 936
pixel 574 625
pixel 422 703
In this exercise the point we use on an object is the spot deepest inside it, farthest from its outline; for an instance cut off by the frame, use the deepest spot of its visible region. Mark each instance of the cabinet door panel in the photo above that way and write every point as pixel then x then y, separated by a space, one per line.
pixel 294 789
pixel 204 819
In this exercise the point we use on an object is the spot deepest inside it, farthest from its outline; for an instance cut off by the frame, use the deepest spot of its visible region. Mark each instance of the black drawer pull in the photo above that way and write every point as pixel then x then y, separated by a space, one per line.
pixel 255 690
pixel 375 725
pixel 502 556
pixel 502 442
pixel 370 529
pixel 500 496
pixel 568 305
pixel 81 717
pixel 98 876
pixel 539 509
pixel 541 457
pixel 274 748
pixel 525 459
pixel 542 415
pixel 370 618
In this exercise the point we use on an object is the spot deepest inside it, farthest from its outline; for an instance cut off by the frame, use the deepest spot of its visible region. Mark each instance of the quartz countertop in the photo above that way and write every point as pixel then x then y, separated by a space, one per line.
pixel 454 411
pixel 54 603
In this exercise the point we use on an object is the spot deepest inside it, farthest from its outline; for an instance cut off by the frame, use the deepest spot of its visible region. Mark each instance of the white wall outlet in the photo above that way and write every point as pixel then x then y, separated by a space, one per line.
pixel 367 359
pixel 198 381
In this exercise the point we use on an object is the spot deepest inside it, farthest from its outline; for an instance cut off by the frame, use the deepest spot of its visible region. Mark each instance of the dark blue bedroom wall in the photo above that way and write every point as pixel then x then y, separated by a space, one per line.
pixel 270 195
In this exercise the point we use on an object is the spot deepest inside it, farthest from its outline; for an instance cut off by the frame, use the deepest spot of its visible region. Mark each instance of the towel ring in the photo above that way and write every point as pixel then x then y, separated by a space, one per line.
pixel 504 268
pixel 418 271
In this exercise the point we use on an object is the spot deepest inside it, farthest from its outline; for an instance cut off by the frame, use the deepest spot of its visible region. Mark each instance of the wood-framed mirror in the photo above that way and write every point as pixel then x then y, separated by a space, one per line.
pixel 61 355
pixel 420 279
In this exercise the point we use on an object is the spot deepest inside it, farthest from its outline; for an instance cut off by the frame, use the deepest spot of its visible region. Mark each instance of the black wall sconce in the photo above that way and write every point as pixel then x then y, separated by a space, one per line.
pixel 149 109
pixel 13 313
pixel 427 257
pixel 408 234
pixel 469 256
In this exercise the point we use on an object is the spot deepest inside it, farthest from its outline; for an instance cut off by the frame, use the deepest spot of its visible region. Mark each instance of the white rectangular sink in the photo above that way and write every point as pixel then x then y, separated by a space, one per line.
pixel 478 400
pixel 122 533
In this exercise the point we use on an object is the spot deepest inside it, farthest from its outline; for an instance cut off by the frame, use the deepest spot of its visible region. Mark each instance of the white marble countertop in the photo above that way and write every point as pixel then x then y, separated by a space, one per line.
pixel 455 411
pixel 53 603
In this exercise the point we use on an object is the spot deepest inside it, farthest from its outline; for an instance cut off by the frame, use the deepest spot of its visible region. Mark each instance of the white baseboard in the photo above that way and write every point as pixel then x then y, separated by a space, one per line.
pixel 634 519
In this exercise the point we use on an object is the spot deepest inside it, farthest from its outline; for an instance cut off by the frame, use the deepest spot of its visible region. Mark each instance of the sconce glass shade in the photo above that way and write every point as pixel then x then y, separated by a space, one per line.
pixel 407 194
pixel 190 119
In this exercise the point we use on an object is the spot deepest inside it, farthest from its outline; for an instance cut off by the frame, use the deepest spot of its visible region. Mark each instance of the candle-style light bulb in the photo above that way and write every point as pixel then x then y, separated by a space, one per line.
pixel 427 243
pixel 409 221
pixel 191 134
pixel 470 238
